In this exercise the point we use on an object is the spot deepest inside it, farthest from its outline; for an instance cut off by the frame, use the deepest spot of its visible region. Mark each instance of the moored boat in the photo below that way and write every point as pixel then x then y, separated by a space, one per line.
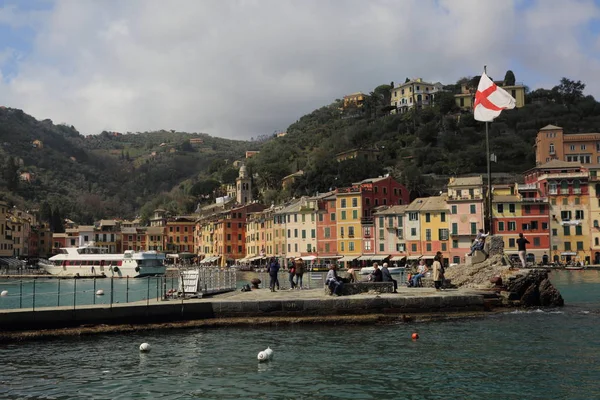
pixel 91 260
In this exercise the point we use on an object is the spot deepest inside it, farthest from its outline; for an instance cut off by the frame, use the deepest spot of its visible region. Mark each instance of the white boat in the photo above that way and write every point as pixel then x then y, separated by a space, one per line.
pixel 393 270
pixel 91 260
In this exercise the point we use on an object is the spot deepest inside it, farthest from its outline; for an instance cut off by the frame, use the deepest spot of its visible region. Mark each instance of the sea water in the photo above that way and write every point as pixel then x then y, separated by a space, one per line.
pixel 535 354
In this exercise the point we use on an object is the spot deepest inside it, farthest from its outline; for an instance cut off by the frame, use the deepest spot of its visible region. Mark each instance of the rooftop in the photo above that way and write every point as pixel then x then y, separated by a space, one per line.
pixel 466 181
pixel 551 128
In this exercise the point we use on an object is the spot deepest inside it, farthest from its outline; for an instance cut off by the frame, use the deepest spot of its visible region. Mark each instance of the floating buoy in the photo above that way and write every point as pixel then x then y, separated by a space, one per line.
pixel 415 336
pixel 144 347
pixel 4 293
pixel 99 292
pixel 265 355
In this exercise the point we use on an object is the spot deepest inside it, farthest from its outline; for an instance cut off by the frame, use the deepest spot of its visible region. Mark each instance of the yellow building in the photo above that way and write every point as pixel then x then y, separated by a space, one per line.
pixel 594 213
pixel 415 92
pixel 300 227
pixel 255 235
pixel 108 235
pixel 349 230
pixel 155 238
pixel 466 98
pixel 354 100
pixel 6 242
pixel 433 215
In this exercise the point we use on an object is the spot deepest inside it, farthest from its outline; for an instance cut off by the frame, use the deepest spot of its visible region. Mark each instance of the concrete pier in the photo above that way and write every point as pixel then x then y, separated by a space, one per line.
pixel 261 303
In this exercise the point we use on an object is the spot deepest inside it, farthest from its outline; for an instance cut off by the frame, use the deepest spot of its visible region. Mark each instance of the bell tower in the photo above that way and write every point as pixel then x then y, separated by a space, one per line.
pixel 243 187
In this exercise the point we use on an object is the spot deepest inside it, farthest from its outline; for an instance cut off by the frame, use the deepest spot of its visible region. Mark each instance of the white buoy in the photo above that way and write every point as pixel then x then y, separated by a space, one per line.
pixel 265 355
pixel 144 347
pixel 99 292
pixel 4 293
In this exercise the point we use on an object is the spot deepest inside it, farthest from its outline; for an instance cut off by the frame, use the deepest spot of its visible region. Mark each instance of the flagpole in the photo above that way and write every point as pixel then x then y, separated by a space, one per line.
pixel 489 171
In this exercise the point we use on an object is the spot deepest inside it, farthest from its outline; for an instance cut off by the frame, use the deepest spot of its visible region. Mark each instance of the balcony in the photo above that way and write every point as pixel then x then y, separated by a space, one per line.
pixel 564 191
pixel 553 191
pixel 527 186
pixel 366 220
pixel 576 190
pixel 535 200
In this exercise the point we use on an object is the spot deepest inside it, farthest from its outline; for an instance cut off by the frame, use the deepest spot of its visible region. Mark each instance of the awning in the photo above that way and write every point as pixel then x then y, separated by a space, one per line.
pixel 379 257
pixel 568 253
pixel 347 258
pixel 374 257
pixel 309 258
pixel 257 258
pixel 414 257
pixel 329 257
pixel 363 258
pixel 397 258
pixel 428 257
pixel 208 260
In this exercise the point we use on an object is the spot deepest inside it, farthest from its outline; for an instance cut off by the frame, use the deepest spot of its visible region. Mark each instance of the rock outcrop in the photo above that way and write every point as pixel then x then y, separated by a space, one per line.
pixel 522 287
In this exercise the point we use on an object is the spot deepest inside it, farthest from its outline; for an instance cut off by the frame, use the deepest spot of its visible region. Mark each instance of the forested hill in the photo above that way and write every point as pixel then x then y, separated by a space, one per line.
pixel 87 178
pixel 436 140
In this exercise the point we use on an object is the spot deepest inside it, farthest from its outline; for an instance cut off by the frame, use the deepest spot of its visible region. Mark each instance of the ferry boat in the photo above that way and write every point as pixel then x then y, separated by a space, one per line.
pixel 91 260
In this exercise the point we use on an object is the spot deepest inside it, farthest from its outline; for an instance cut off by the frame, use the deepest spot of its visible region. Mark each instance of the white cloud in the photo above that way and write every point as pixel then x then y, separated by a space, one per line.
pixel 242 68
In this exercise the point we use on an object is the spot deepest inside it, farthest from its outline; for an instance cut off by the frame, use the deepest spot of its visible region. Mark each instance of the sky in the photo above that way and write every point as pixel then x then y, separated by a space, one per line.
pixel 243 68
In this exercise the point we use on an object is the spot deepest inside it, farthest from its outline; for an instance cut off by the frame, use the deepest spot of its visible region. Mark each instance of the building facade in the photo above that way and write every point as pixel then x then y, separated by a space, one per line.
pixel 552 143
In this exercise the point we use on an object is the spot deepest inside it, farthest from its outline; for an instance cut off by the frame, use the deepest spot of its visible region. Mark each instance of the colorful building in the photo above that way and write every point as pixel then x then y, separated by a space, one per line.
pixel 300 227
pixel 413 93
pixel 466 98
pixel 594 212
pixel 466 210
pixel 348 214
pixel 565 184
pixel 389 233
pixel 179 234
pixel 107 234
pixel 6 243
pixel 552 143
pixel 355 100
pixel 412 232
pixel 327 227
pixel 433 216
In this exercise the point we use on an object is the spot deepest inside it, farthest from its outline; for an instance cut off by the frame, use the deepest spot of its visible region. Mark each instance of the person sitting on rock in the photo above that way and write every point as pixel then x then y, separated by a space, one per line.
pixel 421 271
pixel 350 275
pixel 333 281
pixel 479 242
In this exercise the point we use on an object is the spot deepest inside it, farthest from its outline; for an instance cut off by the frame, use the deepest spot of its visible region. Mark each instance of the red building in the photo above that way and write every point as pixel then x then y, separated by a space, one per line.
pixel 327 228
pixel 230 232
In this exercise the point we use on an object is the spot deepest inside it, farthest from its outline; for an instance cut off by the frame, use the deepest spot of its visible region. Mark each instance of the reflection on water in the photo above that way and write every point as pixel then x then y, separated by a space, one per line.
pixel 537 354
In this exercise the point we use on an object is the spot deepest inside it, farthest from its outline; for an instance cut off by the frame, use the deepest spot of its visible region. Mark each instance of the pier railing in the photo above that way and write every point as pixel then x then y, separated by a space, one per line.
pixel 34 293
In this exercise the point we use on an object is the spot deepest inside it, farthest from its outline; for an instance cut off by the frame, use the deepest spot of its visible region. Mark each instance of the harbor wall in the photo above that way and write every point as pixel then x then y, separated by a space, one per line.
pixel 170 311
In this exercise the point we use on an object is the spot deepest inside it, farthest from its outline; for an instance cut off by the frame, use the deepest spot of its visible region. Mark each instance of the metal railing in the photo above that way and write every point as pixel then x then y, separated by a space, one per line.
pixel 35 293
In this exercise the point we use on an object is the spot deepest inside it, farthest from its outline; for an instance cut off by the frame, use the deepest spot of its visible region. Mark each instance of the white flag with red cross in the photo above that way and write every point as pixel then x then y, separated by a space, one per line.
pixel 490 100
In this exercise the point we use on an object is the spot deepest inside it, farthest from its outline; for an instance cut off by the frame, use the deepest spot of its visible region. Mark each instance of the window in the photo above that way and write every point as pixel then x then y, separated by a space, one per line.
pixel 413 216
pixel 500 208
pixel 443 217
pixel 443 234
pixel 567 246
pixel 342 231
pixel 444 247
pixel 566 230
pixel 427 217
pixel 354 214
pixel 544 226
pixel 343 215
pixel 512 226
pixel 454 210
pixel 511 208
pixel 551 148
pixel 400 247
pixel 399 221
pixel 473 209
pixel 400 233
pixel 313 233
pixel 527 209
pixel 455 244
pixel 354 202
pixel 413 247
pixel 454 228
pixel 303 217
pixel 381 234
pixel 579 245
pixel 413 231
pixel 427 234
pixel 536 242
pixel 295 233
pixel 456 260
pixel 525 227
pixel 351 232
pixel 578 214
pixel 572 147
pixel 511 242
pixel 583 147
pixel 332 216
pixel 578 230
pixel 554 232
pixel 473 228
pixel 381 247
pixel 327 233
pixel 350 246
pixel 500 226
pixel 533 225
pixel 565 215
pixel 342 246
pixel 367 245
pixel 428 246
pixel 303 234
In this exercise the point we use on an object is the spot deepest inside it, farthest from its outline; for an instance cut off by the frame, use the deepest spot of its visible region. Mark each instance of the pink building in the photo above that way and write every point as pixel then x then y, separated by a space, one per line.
pixel 466 204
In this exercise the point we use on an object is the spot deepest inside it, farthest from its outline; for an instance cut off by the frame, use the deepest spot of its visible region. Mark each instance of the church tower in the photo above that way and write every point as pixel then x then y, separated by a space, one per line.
pixel 243 186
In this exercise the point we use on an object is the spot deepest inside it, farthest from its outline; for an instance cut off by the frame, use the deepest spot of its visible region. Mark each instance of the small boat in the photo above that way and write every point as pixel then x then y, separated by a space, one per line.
pixel 575 268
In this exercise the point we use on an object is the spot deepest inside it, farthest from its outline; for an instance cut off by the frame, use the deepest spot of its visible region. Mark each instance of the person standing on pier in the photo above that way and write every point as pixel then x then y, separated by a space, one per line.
pixel 291 273
pixel 273 272
pixel 299 266
pixel 438 271
pixel 522 242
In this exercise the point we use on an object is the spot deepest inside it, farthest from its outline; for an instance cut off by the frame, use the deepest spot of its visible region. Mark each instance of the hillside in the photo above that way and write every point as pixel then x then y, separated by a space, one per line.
pixel 437 140
pixel 108 175
pixel 87 178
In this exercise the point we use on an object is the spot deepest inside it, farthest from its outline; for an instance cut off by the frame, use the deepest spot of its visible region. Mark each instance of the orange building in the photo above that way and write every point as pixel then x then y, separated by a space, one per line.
pixel 179 234
pixel 552 143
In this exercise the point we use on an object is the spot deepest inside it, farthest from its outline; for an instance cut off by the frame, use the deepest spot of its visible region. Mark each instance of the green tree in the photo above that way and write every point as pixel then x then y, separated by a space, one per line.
pixel 445 102
pixel 11 174
pixel 204 188
pixel 45 212
pixel 509 78
pixel 229 176
pixel 570 91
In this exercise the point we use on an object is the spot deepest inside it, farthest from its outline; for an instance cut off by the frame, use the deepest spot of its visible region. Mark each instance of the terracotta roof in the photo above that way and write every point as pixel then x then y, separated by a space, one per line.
pixel 371 180
pixel 107 222
pixel 393 210
pixel 551 128
pixel 435 203
pixel 576 137
pixel 558 164
pixel 416 204
pixel 466 181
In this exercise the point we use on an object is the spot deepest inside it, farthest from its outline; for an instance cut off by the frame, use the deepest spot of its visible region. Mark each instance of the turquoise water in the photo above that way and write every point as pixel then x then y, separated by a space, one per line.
pixel 66 292
pixel 550 354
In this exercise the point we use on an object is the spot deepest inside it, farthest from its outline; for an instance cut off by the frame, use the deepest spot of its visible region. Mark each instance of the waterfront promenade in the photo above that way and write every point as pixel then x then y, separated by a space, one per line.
pixel 256 306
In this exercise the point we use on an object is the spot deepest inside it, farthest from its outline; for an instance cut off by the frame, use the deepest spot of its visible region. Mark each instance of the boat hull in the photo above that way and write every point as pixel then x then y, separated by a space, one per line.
pixel 86 271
